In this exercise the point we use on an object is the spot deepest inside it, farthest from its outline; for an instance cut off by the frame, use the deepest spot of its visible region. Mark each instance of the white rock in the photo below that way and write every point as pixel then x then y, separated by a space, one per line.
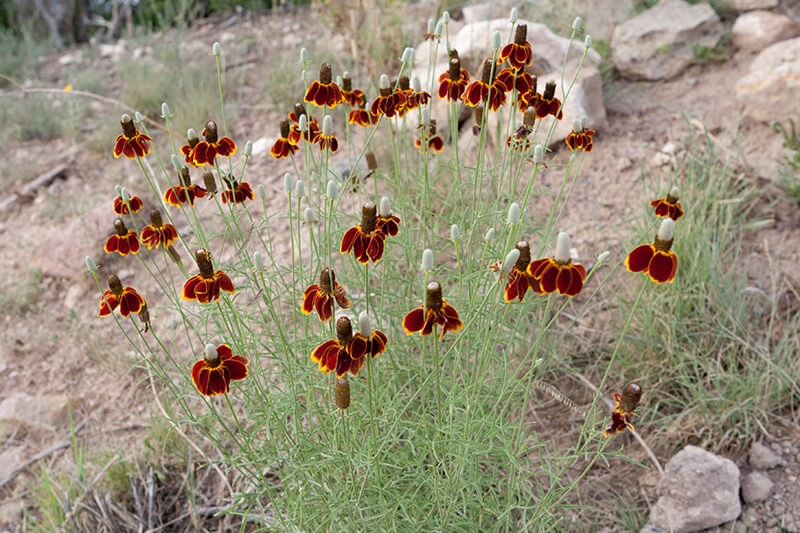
pixel 66 59
pixel 658 43
pixel 747 5
pixel 262 145
pixel 698 490
pixel 771 88
pixel 755 487
pixel 756 30
pixel 47 412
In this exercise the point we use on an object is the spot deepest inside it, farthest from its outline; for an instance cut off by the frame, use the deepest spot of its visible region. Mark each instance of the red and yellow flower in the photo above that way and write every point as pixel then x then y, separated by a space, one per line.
pixel 311 134
pixel 623 411
pixel 669 206
pixel 320 296
pixel 213 374
pixel 205 286
pixel 518 53
pixel 346 353
pixel 547 103
pixel 191 141
pixel 157 233
pixel 354 97
pixel 126 298
pixel 579 138
pixel 519 280
pixel 205 152
pixel 124 241
pixel 453 83
pixel 326 138
pixel 435 311
pixel 324 92
pixel 559 273
pixel 283 147
pixel 516 79
pixel 389 103
pixel 365 240
pixel 362 117
pixel 131 143
pixel 387 223
pixel 121 208
pixel 185 192
pixel 657 259
pixel 428 140
pixel 491 92
pixel 238 193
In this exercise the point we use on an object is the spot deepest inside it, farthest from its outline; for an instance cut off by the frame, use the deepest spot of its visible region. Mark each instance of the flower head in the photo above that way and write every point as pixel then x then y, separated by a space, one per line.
pixel 121 207
pixel 205 286
pixel 547 103
pixel 657 259
pixel 124 241
pixel 346 352
pixel 362 117
pixel 669 206
pixel 326 138
pixel 365 240
pixel 516 79
pixel 453 83
pixel 428 140
pixel 520 138
pixel 191 141
pixel 490 91
pixel 213 374
pixel 157 233
pixel 559 273
pixel 519 279
pixel 302 127
pixel 131 143
pixel 237 192
pixel 623 411
pixel 435 311
pixel 354 97
pixel 126 298
pixel 320 296
pixel 283 147
pixel 519 53
pixel 324 92
pixel 205 152
pixel 389 103
pixel 185 192
pixel 579 138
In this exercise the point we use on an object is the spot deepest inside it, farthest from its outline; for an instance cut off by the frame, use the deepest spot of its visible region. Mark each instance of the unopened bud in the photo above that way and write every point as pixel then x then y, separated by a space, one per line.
pixel 511 259
pixel 288 184
pixel 384 84
pixel 262 192
pixel 489 237
pixel 427 260
pixel 587 41
pixel 176 162
pixel 327 126
pixel 416 85
pixel 385 207
pixel 446 17
pixel 602 258
pixel 455 232
pixel 562 248
pixel 138 117
pixel 408 55
pixel 118 188
pixel 364 324
pixel 304 75
pixel 309 215
pixel 304 55
pixel 576 125
pixel 513 17
pixel 258 261
pixel 302 123
pixel 125 195
pixel 667 230
pixel 300 188
pixel 577 23
pixel 216 49
pixel 514 213
pixel 248 148
pixel 90 264
pixel 584 122
pixel 431 25
pixel 165 111
pixel 538 154
pixel 333 189
pixel 497 39
pixel 439 28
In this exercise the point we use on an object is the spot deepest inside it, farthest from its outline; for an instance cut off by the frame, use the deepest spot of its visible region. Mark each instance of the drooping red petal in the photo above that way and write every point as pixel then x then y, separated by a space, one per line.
pixel 578 275
pixel 537 268
pixel 225 282
pixel 237 367
pixel 112 244
pixel 309 296
pixel 217 381
pixel 414 321
pixel 548 280
pixel 312 91
pixel 189 287
pixel 349 239
pixel 226 147
pixel 660 268
pixel 639 258
pixel 357 347
pixel 200 375
pixel 324 305
pixel 452 321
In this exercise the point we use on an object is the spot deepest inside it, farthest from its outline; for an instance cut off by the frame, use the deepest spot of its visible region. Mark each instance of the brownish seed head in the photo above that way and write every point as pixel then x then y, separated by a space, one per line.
pixel 325 73
pixel 631 395
pixel 488 66
pixel 284 129
pixel 209 181
pixel 432 127
pixel 404 83
pixel 369 214
pixel 524 255
pixel 455 69
pixel 119 225
pixel 211 131
pixel 347 82
pixel 144 315
pixel 327 280
pixel 344 330
pixel 372 162
pixel 433 296
pixel 663 246
pixel 299 109
pixel 671 199
pixel 155 218
pixel 115 285
pixel 204 264
pixel 549 90
pixel 479 114
pixel 173 253
pixel 386 91
pixel 521 34
pixel 128 129
pixel 183 176
pixel 342 393
pixel 453 53
pixel 529 118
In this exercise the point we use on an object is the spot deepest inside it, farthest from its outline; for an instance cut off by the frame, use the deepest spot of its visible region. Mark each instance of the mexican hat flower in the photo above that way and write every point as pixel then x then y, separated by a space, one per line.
pixel 205 286
pixel 121 208
pixel 548 104
pixel 191 141
pixel 519 53
pixel 519 280
pixel 157 233
pixel 354 97
pixel 237 192
pixel 516 79
pixel 436 310
pixel 343 354
pixel 205 152
pixel 520 138
pixel 131 143
pixel 321 296
pixel 185 192
pixel 453 83
pixel 416 97
pixel 283 147
pixel 324 92
pixel 657 259
pixel 623 411
pixel 213 374
pixel 580 138
pixel 387 223
pixel 362 117
pixel 491 92
pixel 311 131
pixel 559 273
pixel 428 140
pixel 365 240
pixel 376 339
pixel 389 102
pixel 124 241
pixel 327 139
pixel 126 298
pixel 669 206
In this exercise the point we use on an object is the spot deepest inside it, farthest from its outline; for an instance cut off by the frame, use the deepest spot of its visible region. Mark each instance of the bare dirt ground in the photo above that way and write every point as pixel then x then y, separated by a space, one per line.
pixel 54 345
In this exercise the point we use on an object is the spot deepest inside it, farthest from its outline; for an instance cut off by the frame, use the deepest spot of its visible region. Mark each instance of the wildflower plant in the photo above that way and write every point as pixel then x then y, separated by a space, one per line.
pixel 459 458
